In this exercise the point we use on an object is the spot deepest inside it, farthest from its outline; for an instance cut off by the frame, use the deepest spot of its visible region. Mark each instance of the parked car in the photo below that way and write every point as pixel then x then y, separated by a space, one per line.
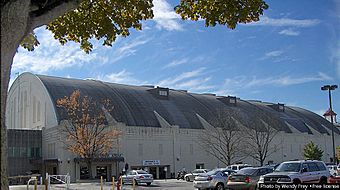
pixel 139 176
pixel 334 179
pixel 247 178
pixel 333 169
pixel 237 167
pixel 214 179
pixel 191 176
pixel 274 166
pixel 302 171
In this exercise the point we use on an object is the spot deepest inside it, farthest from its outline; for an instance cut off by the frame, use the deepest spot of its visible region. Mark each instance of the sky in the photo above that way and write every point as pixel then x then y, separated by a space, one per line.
pixel 284 58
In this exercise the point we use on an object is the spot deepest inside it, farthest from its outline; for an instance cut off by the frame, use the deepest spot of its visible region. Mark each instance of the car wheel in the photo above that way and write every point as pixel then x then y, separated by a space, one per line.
pixel 148 184
pixel 219 186
pixel 323 180
pixel 187 178
pixel 296 181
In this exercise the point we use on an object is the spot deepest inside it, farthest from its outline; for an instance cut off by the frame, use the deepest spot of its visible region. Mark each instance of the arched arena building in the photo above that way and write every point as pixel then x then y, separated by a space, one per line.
pixel 160 127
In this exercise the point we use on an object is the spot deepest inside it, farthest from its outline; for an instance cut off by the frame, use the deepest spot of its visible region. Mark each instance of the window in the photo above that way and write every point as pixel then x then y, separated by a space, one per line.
pixel 163 93
pixel 321 166
pixel 200 166
pixel 37 152
pixel 10 151
pixel 23 152
pixel 232 100
pixel 305 166
pixel 84 172
pixel 16 151
pixel 281 108
pixel 312 167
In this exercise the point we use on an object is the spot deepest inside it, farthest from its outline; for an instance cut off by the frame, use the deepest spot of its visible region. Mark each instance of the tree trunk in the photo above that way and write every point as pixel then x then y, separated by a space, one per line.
pixel 13 30
pixel 16 23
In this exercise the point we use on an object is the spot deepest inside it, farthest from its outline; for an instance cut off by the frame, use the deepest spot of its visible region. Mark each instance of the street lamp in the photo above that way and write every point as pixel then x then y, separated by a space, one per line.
pixel 329 88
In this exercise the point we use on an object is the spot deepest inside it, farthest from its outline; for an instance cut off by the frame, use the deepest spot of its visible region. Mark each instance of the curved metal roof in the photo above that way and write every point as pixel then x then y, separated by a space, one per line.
pixel 135 106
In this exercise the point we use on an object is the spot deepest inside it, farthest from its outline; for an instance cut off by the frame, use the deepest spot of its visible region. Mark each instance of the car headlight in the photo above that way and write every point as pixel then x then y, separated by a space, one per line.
pixel 261 180
pixel 285 179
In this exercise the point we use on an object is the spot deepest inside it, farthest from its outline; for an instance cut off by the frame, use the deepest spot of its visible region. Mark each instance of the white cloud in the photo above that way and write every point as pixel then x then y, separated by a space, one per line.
pixel 122 77
pixel 193 81
pixel 173 80
pixel 176 63
pixel 50 55
pixel 287 80
pixel 126 49
pixel 289 32
pixel 233 85
pixel 274 53
pixel 277 81
pixel 165 16
pixel 320 112
pixel 335 57
pixel 266 21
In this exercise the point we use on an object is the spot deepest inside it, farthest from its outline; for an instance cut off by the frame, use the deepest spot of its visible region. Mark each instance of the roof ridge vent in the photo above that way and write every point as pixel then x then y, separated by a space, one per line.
pixel 209 94
pixel 278 107
pixel 149 86
pixel 185 91
pixel 229 100
pixel 160 92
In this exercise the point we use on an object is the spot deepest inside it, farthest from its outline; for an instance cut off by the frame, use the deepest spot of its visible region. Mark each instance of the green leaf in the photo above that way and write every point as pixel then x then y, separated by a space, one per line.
pixel 30 42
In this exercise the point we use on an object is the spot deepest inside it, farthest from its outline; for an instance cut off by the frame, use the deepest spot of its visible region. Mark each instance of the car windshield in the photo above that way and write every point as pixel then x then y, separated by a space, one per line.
pixel 213 172
pixel 247 171
pixel 198 171
pixel 142 172
pixel 288 167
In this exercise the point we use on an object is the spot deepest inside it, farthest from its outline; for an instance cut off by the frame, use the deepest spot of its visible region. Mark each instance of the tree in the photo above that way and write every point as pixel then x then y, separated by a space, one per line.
pixel 222 139
pixel 259 135
pixel 88 135
pixel 312 151
pixel 81 20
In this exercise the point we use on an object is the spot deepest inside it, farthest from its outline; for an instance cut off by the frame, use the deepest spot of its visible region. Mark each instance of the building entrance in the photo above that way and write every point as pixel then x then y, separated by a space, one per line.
pixel 158 172
pixel 101 171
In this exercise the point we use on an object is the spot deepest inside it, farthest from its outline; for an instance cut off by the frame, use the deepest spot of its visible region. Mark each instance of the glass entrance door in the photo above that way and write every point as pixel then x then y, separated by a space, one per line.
pixel 101 171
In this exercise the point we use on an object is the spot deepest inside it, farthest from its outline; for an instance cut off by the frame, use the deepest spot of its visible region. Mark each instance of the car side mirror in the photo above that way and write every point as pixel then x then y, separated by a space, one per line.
pixel 304 170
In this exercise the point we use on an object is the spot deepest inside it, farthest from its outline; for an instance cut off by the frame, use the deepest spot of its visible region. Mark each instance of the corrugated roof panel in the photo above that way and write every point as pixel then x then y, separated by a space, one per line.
pixel 135 106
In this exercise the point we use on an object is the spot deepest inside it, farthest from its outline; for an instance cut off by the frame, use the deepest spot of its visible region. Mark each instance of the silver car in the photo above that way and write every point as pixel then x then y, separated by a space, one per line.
pixel 296 172
pixel 215 179
pixel 191 176
pixel 139 176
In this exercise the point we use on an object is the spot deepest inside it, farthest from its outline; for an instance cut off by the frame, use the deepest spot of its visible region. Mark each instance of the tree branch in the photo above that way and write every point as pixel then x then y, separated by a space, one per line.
pixel 46 15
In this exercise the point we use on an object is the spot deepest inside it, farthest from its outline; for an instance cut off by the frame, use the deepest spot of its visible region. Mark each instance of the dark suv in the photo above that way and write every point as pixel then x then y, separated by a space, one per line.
pixel 303 171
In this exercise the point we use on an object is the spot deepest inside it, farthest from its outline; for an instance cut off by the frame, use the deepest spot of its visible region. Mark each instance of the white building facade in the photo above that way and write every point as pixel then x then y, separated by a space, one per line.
pixel 160 126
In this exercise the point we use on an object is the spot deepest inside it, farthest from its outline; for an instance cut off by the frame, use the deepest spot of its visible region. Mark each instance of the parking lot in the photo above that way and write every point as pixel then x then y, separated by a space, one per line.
pixel 169 184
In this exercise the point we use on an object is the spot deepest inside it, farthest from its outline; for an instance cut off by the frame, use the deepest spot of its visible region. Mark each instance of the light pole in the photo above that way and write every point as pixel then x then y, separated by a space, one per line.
pixel 329 88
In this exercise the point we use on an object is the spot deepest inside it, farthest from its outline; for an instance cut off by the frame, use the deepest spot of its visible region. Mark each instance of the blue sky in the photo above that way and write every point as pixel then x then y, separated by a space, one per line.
pixel 285 58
